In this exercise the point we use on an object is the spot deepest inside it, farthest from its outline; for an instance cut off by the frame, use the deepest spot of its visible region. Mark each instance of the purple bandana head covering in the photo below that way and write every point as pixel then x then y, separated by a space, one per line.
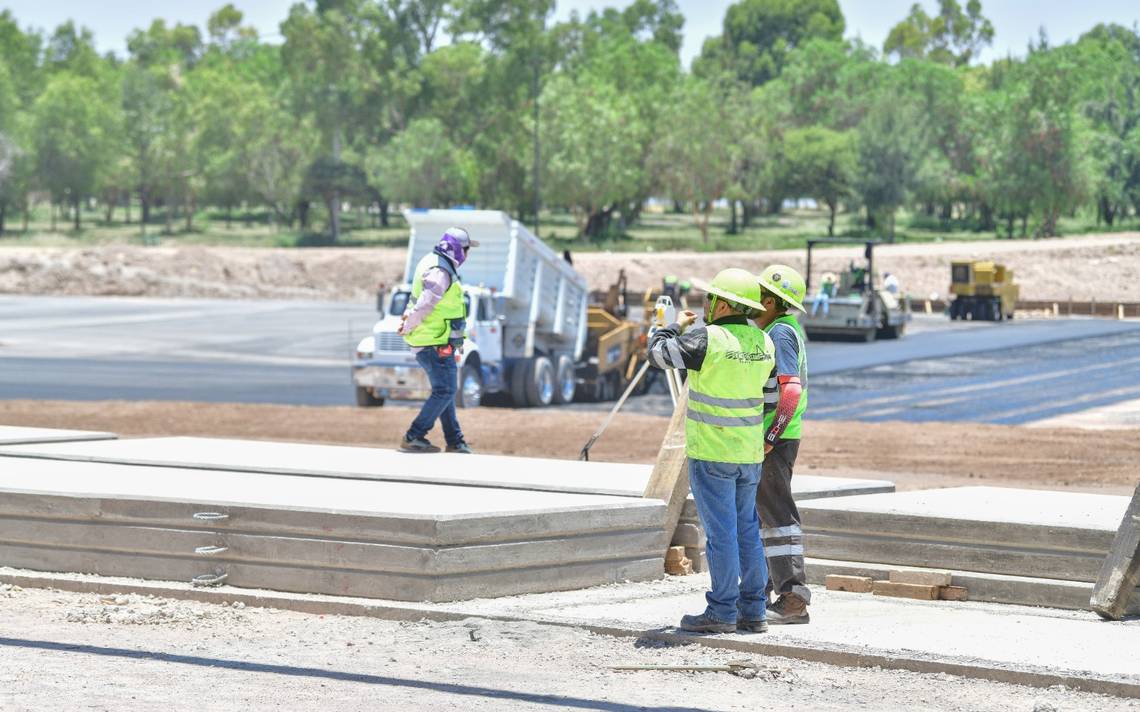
pixel 454 244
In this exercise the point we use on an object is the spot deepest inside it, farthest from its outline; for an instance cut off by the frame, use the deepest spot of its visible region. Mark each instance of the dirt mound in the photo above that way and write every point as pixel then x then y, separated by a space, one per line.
pixel 1100 267
pixel 220 272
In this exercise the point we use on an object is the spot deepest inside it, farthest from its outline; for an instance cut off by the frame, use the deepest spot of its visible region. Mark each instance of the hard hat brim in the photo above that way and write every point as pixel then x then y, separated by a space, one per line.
pixel 723 294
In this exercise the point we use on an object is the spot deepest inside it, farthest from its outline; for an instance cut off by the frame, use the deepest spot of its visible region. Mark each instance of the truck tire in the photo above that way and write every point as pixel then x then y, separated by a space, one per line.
pixel 470 392
pixel 540 386
pixel 565 380
pixel 365 399
pixel 520 374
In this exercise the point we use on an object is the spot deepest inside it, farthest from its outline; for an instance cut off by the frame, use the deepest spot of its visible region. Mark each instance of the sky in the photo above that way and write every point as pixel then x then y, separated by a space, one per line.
pixel 1015 22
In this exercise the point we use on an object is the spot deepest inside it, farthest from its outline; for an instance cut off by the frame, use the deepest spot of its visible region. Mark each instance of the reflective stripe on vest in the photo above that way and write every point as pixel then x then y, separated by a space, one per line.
pixel 725 418
pixel 436 328
pixel 795 427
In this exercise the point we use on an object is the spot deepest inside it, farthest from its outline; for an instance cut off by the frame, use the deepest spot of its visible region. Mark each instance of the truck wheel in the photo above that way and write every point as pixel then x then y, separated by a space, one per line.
pixel 470 393
pixel 565 381
pixel 365 399
pixel 540 386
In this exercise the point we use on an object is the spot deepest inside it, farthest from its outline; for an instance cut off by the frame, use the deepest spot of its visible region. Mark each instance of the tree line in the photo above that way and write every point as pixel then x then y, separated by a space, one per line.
pixel 491 103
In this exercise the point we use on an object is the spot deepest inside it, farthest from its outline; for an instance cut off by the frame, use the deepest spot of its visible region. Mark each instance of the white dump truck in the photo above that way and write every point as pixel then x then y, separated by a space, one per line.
pixel 526 324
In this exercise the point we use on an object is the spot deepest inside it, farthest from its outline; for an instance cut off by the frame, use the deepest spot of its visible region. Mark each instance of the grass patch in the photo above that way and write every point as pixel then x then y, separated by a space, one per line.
pixel 654 232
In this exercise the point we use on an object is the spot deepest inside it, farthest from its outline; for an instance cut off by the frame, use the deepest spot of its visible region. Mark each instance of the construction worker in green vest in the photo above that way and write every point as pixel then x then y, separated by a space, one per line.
pixel 433 326
pixel 782 289
pixel 728 362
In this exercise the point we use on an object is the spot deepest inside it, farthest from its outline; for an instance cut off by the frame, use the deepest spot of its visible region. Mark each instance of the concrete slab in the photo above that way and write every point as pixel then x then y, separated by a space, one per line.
pixel 1057 535
pixel 603 478
pixel 997 505
pixel 292 533
pixel 16 435
pixel 1001 635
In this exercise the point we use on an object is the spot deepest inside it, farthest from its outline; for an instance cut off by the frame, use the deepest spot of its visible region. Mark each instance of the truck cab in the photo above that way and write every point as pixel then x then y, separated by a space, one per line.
pixel 384 366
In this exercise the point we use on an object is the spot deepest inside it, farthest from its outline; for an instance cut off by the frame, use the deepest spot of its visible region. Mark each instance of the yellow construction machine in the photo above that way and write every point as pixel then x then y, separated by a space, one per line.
pixel 615 346
pixel 983 291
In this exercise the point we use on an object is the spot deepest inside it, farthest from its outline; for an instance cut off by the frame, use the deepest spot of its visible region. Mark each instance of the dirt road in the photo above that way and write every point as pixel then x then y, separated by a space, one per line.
pixel 1101 267
pixel 914 455
pixel 70 651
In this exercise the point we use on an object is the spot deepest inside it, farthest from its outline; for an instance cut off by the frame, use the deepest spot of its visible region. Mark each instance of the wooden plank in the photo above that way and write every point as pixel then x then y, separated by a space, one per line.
pixel 953 593
pixel 906 590
pixel 669 481
pixel 854 584
pixel 924 578
pixel 1120 573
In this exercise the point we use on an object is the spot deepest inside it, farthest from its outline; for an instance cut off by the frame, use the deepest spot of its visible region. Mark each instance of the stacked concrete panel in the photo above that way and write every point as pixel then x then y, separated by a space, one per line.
pixel 15 435
pixel 1010 545
pixel 627 480
pixel 356 537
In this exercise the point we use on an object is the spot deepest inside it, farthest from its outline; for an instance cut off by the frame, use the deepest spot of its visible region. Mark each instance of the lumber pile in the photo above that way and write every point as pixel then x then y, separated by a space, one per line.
pixel 909 583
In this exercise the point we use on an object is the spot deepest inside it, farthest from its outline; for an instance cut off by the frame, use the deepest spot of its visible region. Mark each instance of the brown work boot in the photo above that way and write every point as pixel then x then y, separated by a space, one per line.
pixel 789 609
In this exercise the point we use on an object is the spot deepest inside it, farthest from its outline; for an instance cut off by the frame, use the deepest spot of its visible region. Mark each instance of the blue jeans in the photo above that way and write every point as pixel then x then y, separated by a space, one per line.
pixel 821 298
pixel 444 378
pixel 726 503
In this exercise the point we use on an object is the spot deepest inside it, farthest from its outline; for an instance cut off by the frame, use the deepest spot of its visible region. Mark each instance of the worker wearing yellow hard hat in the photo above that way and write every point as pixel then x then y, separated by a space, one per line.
pixel 782 292
pixel 729 361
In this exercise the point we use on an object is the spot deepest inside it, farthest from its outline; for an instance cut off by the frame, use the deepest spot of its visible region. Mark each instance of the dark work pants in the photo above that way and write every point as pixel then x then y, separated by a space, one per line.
pixel 780 522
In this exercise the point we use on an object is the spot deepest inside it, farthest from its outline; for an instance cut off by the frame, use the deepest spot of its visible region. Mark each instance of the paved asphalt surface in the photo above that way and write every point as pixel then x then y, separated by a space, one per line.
pixel 89 348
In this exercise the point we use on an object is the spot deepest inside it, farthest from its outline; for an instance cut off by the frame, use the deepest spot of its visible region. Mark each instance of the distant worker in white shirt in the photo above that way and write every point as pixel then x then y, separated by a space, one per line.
pixel 891 283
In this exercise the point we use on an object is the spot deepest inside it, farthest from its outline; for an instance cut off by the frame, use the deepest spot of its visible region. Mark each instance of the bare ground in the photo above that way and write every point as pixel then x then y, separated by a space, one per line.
pixel 914 455
pixel 84 651
pixel 1101 267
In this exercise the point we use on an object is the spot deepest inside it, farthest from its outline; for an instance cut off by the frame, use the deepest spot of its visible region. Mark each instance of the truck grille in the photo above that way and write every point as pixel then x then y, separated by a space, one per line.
pixel 391 342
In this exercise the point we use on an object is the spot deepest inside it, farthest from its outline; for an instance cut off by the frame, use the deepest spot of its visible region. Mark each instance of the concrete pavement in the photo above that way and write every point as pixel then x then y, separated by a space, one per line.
pixel 1030 646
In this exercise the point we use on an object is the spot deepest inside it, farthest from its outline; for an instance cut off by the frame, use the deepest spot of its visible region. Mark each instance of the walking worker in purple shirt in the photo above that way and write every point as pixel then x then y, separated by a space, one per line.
pixel 433 326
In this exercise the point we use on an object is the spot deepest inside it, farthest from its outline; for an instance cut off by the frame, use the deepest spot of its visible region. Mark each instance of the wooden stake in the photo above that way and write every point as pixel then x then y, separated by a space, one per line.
pixel 670 479
pixel 1120 573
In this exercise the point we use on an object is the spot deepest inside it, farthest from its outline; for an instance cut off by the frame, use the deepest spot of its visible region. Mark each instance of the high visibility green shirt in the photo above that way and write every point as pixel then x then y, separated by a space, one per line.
pixel 795 426
pixel 436 328
pixel 725 419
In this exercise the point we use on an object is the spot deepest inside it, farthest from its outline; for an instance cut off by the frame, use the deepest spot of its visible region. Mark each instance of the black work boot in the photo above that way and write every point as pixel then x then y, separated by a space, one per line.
pixel 758 625
pixel 704 624
pixel 417 445
pixel 789 609
pixel 462 448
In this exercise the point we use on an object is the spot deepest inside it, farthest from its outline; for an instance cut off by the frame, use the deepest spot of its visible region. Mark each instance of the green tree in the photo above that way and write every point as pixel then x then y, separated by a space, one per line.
pixel 162 46
pixel 819 163
pixel 20 52
pixel 893 143
pixel 423 167
pixel 758 36
pixel 147 111
pixel 590 143
pixel 323 54
pixel 71 125
pixel 1109 96
pixel 72 49
pixel 954 36
pixel 692 159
